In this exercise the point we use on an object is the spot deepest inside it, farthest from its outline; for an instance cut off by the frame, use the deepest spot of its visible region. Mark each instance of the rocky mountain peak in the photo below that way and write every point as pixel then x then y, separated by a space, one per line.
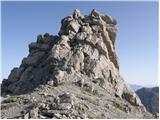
pixel 81 60
pixel 97 30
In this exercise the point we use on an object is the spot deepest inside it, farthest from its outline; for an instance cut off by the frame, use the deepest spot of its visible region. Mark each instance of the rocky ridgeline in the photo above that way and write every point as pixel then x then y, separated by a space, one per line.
pixel 72 75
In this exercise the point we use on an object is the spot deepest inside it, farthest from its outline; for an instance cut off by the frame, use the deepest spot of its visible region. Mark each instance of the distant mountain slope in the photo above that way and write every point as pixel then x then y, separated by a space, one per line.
pixel 135 87
pixel 150 98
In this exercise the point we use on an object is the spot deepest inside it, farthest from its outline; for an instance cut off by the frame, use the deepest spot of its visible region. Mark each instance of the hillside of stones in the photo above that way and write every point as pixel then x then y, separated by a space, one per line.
pixel 74 74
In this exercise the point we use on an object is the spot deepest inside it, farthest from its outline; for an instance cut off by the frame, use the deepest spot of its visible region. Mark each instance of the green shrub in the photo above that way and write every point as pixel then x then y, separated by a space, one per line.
pixel 7 106
pixel 117 105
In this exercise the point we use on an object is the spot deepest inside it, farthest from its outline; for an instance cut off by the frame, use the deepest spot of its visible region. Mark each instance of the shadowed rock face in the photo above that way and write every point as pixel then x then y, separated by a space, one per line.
pixel 73 75
pixel 150 98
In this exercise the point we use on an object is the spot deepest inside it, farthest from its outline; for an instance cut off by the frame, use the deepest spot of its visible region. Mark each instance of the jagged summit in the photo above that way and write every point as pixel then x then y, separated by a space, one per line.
pixel 91 37
pixel 74 74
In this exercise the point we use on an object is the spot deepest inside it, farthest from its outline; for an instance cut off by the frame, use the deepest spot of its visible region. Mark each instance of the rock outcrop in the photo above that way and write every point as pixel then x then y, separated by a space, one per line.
pixel 150 99
pixel 74 74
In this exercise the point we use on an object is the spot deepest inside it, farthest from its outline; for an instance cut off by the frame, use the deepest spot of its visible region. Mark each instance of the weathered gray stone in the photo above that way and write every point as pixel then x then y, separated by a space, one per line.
pixel 99 81
pixel 65 101
pixel 39 39
pixel 132 98
pixel 80 82
pixel 59 52
pixel 91 39
pixel 66 98
pixel 27 74
pixel 95 13
pixel 42 106
pixel 76 14
pixel 64 106
pixel 88 87
pixel 58 115
pixel 59 75
pixel 64 38
pixel 81 36
pixel 77 61
pixel 33 113
pixel 26 116
pixel 96 28
pixel 73 26
pixel 87 29
pixel 38 46
pixel 51 82
pixel 109 20
pixel 33 59
pixel 66 20
pixel 46 35
pixel 102 48
pixel 42 117
pixel 15 74
pixel 119 88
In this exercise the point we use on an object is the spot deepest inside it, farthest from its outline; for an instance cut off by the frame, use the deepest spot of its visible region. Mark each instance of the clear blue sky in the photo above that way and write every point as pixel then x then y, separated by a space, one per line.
pixel 137 37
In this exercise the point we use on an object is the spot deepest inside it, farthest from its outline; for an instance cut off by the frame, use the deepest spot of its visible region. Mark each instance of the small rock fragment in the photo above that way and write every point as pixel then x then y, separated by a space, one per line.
pixel 33 113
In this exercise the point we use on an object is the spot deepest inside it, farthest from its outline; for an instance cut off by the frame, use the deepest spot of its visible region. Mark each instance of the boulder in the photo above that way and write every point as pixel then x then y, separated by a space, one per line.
pixel 26 116
pixel 59 74
pixel 33 59
pixel 15 74
pixel 81 36
pixel 109 20
pixel 86 28
pixel 76 14
pixel 33 114
pixel 38 46
pixel 58 115
pixel 73 26
pixel 65 101
pixel 95 13
pixel 39 39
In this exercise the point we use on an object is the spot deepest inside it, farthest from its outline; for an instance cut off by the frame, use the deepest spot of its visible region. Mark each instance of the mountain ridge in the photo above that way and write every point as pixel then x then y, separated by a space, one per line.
pixel 150 98
pixel 135 87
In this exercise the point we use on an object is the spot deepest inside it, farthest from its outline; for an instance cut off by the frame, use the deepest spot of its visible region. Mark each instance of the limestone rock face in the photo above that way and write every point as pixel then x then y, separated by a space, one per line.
pixel 73 75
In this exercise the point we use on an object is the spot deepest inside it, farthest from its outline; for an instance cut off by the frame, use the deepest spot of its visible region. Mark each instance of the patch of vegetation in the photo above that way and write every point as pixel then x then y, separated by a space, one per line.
pixel 7 106
pixel 10 99
pixel 91 100
pixel 81 108
pixel 95 92
pixel 116 105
